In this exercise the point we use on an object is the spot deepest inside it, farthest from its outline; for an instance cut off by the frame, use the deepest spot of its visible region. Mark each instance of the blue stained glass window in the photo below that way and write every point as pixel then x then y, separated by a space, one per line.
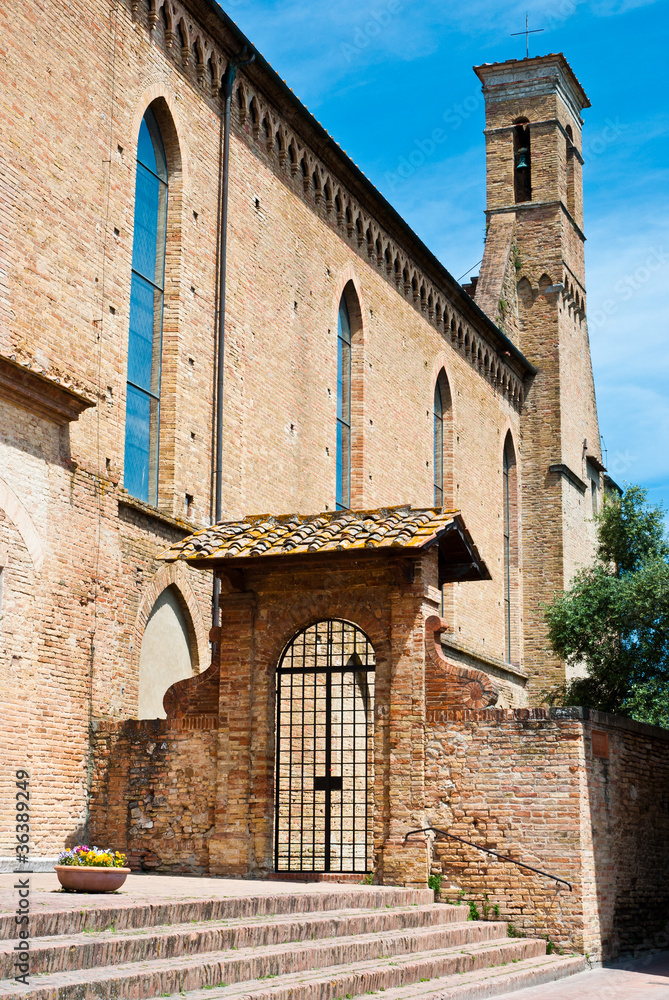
pixel 146 315
pixel 343 485
pixel 145 256
pixel 142 318
pixel 137 442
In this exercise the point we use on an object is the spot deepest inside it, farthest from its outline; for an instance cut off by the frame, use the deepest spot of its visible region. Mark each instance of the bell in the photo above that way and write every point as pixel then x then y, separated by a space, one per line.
pixel 522 162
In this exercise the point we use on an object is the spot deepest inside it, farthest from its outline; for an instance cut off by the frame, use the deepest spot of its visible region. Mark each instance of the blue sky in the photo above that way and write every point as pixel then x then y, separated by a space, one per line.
pixel 381 75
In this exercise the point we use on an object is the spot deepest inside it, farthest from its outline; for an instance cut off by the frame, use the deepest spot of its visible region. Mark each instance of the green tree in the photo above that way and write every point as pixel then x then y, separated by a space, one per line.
pixel 614 619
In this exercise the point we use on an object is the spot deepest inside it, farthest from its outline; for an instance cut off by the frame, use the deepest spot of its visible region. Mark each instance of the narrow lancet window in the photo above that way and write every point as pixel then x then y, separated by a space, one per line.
pixel 510 554
pixel 146 315
pixel 343 488
pixel 570 169
pixel 438 447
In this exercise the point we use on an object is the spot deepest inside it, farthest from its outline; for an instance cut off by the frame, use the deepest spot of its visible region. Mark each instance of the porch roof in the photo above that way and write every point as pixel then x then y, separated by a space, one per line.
pixel 384 530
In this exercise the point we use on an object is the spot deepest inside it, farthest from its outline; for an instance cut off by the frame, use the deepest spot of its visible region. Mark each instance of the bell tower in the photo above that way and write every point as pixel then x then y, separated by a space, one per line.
pixel 532 284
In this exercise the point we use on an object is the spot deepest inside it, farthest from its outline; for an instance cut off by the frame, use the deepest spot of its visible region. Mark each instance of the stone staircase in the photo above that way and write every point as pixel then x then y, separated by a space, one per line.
pixel 306 946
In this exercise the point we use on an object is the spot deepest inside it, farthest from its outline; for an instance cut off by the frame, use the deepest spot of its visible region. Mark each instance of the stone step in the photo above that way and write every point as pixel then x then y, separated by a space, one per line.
pixel 116 912
pixel 487 981
pixel 312 971
pixel 494 981
pixel 60 953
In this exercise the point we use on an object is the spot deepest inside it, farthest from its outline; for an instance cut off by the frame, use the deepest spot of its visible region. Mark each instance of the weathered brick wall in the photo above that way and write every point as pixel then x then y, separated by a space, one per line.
pixel 628 803
pixel 512 781
pixel 153 790
pixel 64 303
pixel 559 425
pixel 71 606
pixel 529 784
pixel 299 234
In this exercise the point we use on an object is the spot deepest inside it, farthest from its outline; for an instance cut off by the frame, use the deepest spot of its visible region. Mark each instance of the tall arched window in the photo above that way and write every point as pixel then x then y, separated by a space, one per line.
pixel 343 490
pixel 442 461
pixel 570 169
pixel 510 554
pixel 438 447
pixel 146 315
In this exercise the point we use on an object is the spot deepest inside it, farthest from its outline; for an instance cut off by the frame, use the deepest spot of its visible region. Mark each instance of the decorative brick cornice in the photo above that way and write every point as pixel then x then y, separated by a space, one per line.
pixel 200 38
pixel 560 469
pixel 41 392
pixel 532 206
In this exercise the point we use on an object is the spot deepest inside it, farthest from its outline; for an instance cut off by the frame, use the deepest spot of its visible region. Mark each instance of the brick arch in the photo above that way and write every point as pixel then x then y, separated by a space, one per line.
pixel 297 618
pixel 173 131
pixel 511 516
pixel 14 509
pixel 172 575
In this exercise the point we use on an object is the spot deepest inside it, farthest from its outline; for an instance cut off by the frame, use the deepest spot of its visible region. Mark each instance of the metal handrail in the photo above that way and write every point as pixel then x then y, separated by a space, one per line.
pixel 487 850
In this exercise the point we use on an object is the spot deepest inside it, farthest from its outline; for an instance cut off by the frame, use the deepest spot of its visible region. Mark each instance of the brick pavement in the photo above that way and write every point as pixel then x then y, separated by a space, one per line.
pixel 647 976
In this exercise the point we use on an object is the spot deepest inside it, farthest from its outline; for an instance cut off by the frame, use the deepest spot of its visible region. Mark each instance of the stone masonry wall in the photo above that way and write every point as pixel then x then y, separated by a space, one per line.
pixel 153 792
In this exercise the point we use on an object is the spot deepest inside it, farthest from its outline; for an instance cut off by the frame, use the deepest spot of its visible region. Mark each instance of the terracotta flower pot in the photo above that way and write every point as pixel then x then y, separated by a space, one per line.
pixel 84 878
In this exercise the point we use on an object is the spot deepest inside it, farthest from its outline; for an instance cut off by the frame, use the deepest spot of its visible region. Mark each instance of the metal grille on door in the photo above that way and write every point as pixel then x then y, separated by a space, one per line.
pixel 324 750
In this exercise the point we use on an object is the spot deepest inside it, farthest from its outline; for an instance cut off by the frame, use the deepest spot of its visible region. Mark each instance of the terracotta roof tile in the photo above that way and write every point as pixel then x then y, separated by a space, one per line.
pixel 294 534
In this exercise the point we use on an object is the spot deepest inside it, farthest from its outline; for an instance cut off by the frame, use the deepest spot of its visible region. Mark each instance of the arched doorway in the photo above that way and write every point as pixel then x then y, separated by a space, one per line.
pixel 324 750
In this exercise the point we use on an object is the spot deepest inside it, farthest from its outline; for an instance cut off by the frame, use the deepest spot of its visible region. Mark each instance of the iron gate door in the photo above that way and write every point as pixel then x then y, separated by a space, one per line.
pixel 324 750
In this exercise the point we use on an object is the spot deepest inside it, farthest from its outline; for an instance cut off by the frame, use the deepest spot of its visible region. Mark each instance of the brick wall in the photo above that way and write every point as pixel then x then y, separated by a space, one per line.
pixel 534 248
pixel 578 795
pixel 628 799
pixel 153 791
pixel 531 784
pixel 73 610
pixel 303 227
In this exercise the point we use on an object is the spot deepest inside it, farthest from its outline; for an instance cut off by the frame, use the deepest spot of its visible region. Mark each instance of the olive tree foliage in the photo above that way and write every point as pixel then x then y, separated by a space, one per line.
pixel 614 619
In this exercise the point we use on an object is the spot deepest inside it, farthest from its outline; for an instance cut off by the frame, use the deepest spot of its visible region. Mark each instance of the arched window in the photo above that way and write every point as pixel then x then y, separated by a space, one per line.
pixel 442 461
pixel 343 491
pixel 522 172
pixel 438 447
pixel 570 169
pixel 510 554
pixel 146 315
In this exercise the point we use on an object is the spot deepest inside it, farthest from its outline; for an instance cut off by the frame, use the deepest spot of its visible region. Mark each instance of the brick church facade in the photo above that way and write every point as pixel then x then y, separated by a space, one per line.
pixel 358 375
